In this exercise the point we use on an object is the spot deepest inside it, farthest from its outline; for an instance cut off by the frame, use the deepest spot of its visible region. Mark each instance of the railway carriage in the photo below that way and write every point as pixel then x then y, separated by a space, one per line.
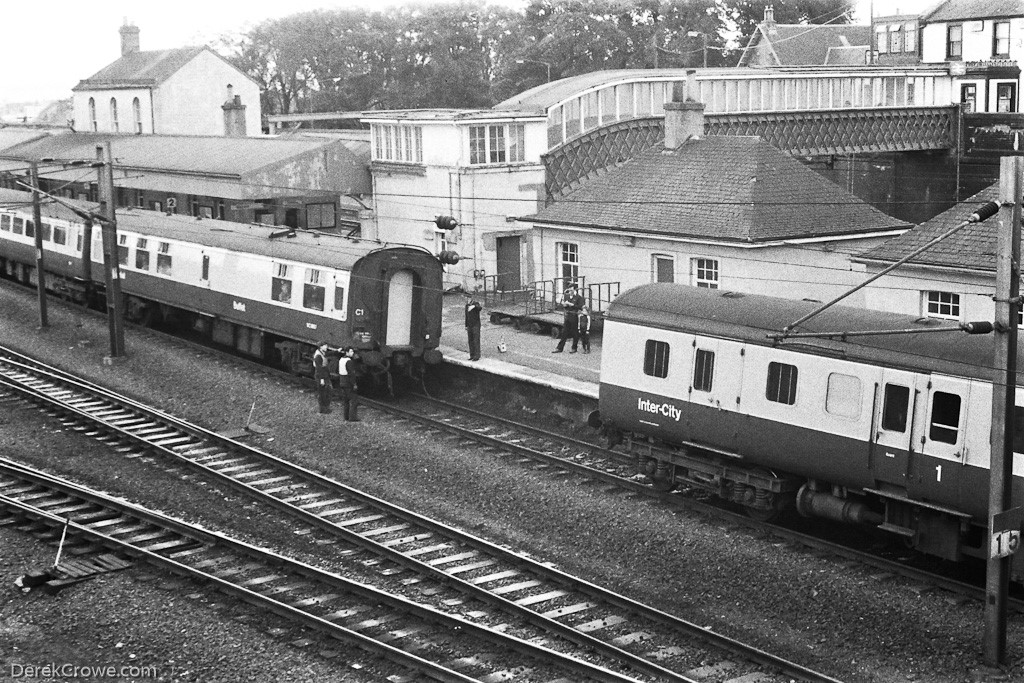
pixel 888 430
pixel 268 292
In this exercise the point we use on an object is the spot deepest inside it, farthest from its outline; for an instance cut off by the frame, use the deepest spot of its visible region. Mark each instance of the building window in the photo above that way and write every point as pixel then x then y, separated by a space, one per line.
pixel 497 144
pixel 842 395
pixel 142 253
pixel 313 290
pixel 781 386
pixel 942 305
pixel 1006 97
pixel 703 370
pixel 281 284
pixel 93 123
pixel 113 115
pixel 910 37
pixel 137 114
pixel 881 39
pixel 663 268
pixel 656 358
pixel 320 216
pixel 705 273
pixel 398 143
pixel 969 97
pixel 945 424
pixel 955 42
pixel 122 249
pixel 163 258
pixel 1001 39
pixel 896 38
pixel 568 256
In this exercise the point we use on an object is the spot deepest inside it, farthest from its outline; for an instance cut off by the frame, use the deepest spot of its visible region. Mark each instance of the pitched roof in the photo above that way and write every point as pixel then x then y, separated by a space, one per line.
pixel 972 248
pixel 854 55
pixel 962 10
pixel 731 189
pixel 141 69
pixel 806 44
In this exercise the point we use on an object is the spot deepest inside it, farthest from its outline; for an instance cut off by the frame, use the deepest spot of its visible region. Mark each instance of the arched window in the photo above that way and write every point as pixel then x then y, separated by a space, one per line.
pixel 113 115
pixel 137 113
pixel 92 115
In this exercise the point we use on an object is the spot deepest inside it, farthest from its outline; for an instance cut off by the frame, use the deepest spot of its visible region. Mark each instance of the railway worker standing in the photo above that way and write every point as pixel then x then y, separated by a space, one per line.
pixel 572 302
pixel 347 384
pixel 473 327
pixel 584 318
pixel 322 375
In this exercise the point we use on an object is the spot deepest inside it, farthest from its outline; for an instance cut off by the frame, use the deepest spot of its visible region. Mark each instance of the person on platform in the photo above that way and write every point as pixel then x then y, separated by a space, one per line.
pixel 584 326
pixel 347 373
pixel 473 327
pixel 572 304
pixel 322 376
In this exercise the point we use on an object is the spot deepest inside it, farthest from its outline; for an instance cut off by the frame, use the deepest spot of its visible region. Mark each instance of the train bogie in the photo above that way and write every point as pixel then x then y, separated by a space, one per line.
pixel 890 431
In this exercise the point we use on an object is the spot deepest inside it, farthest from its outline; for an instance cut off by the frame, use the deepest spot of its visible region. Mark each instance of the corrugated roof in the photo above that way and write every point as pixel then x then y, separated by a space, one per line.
pixel 750 317
pixel 963 10
pixel 233 156
pixel 147 68
pixel 973 248
pixel 807 44
pixel 327 250
pixel 13 136
pixel 732 189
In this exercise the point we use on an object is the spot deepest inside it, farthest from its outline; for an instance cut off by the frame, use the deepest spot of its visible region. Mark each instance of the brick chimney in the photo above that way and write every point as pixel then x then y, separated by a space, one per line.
pixel 684 115
pixel 234 115
pixel 129 38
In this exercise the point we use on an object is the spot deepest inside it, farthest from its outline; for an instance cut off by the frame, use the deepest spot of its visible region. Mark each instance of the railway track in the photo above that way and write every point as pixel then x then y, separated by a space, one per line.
pixel 552 605
pixel 441 646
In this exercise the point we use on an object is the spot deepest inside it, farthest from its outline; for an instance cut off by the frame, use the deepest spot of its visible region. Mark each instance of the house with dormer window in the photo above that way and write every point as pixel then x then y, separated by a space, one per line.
pixel 983 42
pixel 482 167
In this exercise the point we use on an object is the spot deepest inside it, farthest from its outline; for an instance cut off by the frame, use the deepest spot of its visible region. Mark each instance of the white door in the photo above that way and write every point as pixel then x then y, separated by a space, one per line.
pixel 399 329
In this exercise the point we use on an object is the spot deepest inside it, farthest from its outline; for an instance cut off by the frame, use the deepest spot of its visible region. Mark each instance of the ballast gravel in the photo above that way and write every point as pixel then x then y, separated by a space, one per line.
pixel 833 618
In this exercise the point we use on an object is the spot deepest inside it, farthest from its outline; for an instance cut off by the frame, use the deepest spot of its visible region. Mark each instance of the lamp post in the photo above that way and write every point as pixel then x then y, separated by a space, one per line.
pixel 534 61
pixel 704 42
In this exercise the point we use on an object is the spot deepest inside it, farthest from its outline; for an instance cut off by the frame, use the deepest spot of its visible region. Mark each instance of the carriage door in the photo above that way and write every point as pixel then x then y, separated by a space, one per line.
pixel 937 471
pixel 399 328
pixel 896 399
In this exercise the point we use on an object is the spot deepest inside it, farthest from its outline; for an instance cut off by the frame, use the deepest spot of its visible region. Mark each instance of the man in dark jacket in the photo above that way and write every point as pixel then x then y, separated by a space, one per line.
pixel 572 303
pixel 322 375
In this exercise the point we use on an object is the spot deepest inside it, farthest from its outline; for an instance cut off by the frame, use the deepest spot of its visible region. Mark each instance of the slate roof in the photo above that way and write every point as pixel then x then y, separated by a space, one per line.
pixel 854 55
pixel 207 154
pixel 730 189
pixel 962 10
pixel 806 44
pixel 972 248
pixel 140 69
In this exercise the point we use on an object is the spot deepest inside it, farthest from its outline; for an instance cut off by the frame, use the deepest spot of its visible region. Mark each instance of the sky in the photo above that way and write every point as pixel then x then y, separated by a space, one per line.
pixel 60 42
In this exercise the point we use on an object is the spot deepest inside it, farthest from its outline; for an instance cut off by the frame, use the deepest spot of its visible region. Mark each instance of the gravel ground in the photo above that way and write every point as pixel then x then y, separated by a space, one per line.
pixel 838 620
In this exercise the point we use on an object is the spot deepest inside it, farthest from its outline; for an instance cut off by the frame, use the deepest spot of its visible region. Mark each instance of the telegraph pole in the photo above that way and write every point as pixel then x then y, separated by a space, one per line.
pixel 112 270
pixel 37 219
pixel 1004 522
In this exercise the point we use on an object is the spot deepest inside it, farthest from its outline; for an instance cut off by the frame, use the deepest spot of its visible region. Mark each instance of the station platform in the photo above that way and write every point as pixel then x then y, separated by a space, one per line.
pixel 528 355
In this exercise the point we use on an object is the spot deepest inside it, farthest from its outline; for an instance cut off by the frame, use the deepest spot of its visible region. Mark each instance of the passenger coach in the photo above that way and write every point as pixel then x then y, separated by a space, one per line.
pixel 268 292
pixel 890 430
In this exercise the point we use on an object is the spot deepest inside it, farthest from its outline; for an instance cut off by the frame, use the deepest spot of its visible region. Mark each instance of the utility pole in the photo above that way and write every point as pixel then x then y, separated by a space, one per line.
pixel 112 270
pixel 1004 522
pixel 37 219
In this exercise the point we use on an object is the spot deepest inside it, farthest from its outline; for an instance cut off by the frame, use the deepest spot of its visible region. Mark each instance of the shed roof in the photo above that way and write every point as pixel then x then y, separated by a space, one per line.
pixel 963 10
pixel 729 189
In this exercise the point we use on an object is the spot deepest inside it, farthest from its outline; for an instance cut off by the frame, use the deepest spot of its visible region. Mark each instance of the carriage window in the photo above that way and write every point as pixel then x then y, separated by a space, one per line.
pixel 163 258
pixel 894 408
pixel 30 228
pixel 205 275
pixel 46 232
pixel 142 253
pixel 5 222
pixel 842 395
pixel 60 235
pixel 945 424
pixel 122 249
pixel 281 285
pixel 19 225
pixel 703 370
pixel 656 358
pixel 313 290
pixel 781 383
pixel 339 298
